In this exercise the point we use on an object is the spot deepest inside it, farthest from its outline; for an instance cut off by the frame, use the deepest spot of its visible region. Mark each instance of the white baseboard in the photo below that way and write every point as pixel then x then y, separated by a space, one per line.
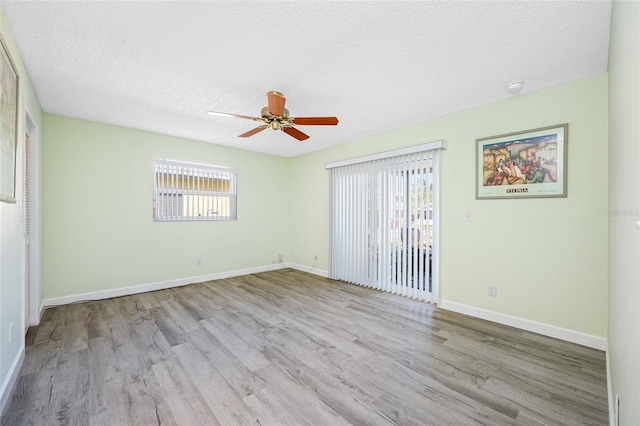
pixel 143 288
pixel 10 381
pixel 36 321
pixel 40 312
pixel 613 421
pixel 528 325
pixel 309 269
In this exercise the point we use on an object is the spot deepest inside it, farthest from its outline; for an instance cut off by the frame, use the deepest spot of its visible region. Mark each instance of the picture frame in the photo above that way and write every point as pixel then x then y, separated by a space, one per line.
pixel 9 83
pixel 525 164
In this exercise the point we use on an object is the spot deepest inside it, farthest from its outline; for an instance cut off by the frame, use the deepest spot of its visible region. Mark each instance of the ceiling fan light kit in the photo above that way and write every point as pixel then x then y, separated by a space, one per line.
pixel 276 116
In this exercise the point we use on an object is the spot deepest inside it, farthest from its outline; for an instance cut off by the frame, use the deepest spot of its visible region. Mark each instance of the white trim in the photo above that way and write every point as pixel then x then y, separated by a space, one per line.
pixel 40 312
pixel 10 380
pixel 143 288
pixel 572 336
pixel 309 269
pixel 612 403
pixel 181 165
pixel 441 144
pixel 33 303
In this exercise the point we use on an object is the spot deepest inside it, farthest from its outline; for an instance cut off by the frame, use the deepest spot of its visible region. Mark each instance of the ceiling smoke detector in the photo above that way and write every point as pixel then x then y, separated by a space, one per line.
pixel 514 87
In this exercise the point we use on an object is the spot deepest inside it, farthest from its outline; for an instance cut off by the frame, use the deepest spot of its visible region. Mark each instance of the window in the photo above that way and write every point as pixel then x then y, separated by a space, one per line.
pixel 188 192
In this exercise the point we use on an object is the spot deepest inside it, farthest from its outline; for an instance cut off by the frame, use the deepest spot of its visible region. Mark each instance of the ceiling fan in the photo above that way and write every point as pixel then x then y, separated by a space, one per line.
pixel 276 116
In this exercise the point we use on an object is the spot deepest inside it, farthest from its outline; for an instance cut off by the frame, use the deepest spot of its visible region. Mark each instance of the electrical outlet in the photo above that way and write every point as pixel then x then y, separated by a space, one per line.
pixel 492 290
pixel 198 262
pixel 10 332
pixel 315 257
pixel 279 258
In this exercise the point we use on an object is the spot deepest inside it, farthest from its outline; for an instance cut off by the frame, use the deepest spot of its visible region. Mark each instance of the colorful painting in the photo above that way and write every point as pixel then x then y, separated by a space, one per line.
pixel 529 164
pixel 8 126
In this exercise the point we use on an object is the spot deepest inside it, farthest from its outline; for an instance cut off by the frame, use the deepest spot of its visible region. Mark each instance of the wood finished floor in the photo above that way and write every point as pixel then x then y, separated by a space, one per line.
pixel 285 347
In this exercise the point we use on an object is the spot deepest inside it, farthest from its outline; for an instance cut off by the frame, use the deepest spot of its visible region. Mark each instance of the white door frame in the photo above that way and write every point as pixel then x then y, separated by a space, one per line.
pixel 33 305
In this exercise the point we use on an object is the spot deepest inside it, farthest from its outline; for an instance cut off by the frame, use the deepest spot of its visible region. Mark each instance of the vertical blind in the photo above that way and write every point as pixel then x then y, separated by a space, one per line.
pixel 184 191
pixel 384 216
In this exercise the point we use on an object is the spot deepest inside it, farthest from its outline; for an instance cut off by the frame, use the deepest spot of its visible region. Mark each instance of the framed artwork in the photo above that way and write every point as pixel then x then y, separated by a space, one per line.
pixel 8 125
pixel 527 164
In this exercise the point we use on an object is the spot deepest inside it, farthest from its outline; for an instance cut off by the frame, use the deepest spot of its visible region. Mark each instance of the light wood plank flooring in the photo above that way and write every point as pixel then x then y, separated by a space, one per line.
pixel 285 347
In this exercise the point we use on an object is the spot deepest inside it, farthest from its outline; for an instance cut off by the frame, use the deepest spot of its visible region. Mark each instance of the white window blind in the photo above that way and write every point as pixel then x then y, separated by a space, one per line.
pixel 184 191
pixel 384 217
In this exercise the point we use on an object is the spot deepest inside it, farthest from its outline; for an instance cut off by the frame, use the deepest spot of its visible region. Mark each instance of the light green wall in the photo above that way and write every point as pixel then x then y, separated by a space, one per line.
pixel 624 198
pixel 98 227
pixel 548 257
pixel 12 240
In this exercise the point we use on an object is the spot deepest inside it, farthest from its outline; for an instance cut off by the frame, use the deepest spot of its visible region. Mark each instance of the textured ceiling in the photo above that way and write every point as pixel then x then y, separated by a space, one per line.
pixel 159 66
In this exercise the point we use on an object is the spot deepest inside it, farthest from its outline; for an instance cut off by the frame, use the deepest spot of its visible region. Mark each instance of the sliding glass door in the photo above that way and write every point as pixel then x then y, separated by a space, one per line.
pixel 383 229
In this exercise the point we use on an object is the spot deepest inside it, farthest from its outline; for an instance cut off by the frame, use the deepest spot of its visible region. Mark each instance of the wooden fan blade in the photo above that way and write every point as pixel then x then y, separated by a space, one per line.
pixel 226 114
pixel 315 121
pixel 253 131
pixel 276 101
pixel 292 131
